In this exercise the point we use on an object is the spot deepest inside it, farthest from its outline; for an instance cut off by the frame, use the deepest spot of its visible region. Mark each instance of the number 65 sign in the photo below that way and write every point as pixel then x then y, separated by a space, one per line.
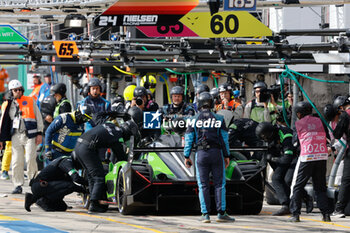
pixel 240 5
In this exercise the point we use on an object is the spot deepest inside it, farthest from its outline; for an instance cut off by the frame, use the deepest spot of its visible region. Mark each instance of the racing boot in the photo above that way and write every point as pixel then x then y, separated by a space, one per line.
pixel 309 203
pixel 96 207
pixel 326 217
pixel 44 204
pixel 283 211
pixel 28 201
pixel 294 218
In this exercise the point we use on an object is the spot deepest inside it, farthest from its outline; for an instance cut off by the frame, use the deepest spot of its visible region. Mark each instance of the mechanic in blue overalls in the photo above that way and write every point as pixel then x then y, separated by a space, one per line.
pixel 212 156
pixel 63 133
pixel 95 101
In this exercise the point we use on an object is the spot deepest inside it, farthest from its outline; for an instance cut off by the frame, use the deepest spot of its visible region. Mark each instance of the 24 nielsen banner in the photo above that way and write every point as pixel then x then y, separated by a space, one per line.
pixel 202 24
pixel 145 12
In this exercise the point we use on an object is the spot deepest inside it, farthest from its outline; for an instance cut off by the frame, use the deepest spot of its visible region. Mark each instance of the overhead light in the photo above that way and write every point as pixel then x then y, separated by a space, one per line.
pixel 75 21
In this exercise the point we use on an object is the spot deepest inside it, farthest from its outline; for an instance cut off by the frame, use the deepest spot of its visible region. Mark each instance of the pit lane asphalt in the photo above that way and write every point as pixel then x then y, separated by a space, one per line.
pixel 14 218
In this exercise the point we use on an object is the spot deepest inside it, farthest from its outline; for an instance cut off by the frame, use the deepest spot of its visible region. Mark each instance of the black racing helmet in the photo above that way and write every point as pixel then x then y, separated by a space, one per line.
pixel 95 82
pixel 140 91
pixel 83 114
pixel 177 90
pixel 202 88
pixel 137 115
pixel 265 131
pixel 118 99
pixel 177 127
pixel 340 101
pixel 205 99
pixel 259 84
pixel 329 112
pixel 304 108
pixel 59 88
pixel 225 87
pixel 130 128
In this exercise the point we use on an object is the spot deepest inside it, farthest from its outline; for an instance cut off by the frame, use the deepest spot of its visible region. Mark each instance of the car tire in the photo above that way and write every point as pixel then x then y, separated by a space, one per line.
pixel 253 200
pixel 85 196
pixel 120 196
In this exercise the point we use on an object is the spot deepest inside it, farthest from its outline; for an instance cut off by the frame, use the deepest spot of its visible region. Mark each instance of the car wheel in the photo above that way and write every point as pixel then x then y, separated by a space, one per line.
pixel 86 196
pixel 254 196
pixel 121 197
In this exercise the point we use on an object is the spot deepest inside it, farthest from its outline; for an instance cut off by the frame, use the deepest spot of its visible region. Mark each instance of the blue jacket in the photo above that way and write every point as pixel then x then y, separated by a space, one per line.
pixel 212 133
pixel 63 133
pixel 43 93
pixel 98 104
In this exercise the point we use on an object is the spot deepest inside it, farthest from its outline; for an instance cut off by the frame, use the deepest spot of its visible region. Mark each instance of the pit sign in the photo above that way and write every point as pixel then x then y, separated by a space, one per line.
pixel 225 24
pixel 240 5
pixel 65 49
pixel 9 35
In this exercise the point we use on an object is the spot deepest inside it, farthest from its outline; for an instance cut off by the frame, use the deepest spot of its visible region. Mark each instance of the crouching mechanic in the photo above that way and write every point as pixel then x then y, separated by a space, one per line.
pixel 53 183
pixel 107 135
pixel 63 133
pixel 282 159
pixel 212 156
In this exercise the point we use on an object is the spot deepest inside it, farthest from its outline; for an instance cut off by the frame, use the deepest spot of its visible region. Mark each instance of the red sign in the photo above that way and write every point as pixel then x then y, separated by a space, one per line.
pixel 177 30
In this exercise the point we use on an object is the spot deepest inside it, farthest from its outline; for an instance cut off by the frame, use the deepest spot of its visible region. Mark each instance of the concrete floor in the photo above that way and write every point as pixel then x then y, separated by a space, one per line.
pixel 14 218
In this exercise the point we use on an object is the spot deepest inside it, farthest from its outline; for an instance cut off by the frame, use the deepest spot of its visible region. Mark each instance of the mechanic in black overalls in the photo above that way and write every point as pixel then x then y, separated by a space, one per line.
pixel 282 159
pixel 212 157
pixel 342 107
pixel 243 131
pixel 107 135
pixel 53 183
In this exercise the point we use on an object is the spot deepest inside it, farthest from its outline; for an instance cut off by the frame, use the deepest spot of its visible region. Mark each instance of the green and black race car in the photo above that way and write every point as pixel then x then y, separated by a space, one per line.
pixel 155 178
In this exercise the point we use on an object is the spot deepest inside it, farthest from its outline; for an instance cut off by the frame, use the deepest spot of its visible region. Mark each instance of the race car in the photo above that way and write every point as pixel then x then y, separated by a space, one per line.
pixel 155 178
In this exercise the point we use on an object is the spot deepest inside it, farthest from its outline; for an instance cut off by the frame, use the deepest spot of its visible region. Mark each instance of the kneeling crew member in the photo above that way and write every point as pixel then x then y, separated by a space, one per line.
pixel 52 184
pixel 212 157
pixel 107 135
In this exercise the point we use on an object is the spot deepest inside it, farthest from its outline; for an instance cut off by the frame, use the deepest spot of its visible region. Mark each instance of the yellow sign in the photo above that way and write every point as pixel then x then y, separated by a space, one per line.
pixel 225 24
pixel 65 49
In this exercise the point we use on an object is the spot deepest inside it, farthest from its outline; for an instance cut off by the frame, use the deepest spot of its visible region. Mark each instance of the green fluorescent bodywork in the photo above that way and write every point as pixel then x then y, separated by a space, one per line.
pixel 229 169
pixel 113 175
pixel 158 166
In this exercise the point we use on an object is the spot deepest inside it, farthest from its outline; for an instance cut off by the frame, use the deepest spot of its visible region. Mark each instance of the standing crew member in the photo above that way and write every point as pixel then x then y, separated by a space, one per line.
pixel 21 123
pixel 311 135
pixel 44 90
pixel 63 105
pixel 94 101
pixel 37 85
pixel 212 156
pixel 227 102
pixel 178 107
pixel 63 133
pixel 258 109
pixel 106 135
pixel 342 106
pixel 52 184
pixel 282 160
